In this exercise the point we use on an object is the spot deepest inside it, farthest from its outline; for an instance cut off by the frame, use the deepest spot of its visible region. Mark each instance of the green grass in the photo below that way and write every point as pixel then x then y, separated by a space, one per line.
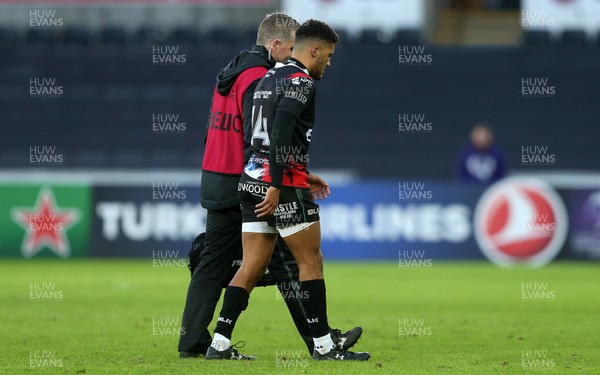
pixel 478 321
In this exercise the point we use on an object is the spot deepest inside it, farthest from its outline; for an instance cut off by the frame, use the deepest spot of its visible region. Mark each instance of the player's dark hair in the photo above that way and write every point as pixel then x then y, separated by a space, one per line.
pixel 276 26
pixel 314 29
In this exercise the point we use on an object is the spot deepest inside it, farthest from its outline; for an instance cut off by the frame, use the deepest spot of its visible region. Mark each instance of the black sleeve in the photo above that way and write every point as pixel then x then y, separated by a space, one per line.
pixel 247 116
pixel 294 101
pixel 281 136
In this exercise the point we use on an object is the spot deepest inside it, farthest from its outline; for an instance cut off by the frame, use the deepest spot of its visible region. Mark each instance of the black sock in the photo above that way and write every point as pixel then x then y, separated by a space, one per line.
pixel 315 306
pixel 234 302
pixel 290 290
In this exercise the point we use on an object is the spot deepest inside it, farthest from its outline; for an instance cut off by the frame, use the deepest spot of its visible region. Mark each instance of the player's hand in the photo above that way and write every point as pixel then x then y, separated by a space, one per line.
pixel 269 204
pixel 318 187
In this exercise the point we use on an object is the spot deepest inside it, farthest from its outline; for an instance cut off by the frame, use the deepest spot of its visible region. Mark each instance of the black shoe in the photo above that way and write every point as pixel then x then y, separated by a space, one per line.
pixel 183 354
pixel 336 354
pixel 229 353
pixel 346 340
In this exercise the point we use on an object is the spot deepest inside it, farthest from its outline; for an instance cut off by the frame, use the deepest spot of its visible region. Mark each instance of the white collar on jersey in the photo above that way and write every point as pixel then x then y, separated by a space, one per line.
pixel 292 63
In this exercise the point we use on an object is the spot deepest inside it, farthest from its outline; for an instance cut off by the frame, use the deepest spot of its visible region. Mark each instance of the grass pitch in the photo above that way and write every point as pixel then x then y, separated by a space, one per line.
pixel 123 316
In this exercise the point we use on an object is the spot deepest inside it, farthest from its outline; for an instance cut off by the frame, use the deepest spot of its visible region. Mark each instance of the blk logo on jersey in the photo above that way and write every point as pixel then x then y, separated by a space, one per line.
pixel 520 221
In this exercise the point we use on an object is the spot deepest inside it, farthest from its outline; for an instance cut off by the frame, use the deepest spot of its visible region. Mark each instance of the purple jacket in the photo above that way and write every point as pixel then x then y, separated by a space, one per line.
pixel 481 166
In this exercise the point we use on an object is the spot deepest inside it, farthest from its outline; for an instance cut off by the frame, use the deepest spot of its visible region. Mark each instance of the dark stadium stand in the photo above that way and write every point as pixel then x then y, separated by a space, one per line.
pixel 113 35
pixel 42 36
pixel 345 37
pixel 8 36
pixel 574 38
pixel 408 37
pixel 104 117
pixel 537 38
pixel 222 35
pixel 186 35
pixel 77 35
pixel 370 36
pixel 149 34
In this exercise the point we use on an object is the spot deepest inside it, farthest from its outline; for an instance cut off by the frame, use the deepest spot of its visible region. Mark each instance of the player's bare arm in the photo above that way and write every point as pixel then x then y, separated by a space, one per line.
pixel 269 204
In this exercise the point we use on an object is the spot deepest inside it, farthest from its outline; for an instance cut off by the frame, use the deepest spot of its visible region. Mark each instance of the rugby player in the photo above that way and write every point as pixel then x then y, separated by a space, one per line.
pixel 276 192
pixel 227 149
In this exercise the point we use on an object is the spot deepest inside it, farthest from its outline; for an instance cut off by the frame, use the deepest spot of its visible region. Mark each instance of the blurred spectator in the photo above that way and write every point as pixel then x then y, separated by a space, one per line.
pixel 481 161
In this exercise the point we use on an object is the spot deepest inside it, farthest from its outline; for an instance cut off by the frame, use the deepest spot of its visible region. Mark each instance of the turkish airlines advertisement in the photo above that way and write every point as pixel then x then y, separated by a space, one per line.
pixel 514 222
pixel 520 221
pixel 517 221
pixel 138 221
pixel 384 220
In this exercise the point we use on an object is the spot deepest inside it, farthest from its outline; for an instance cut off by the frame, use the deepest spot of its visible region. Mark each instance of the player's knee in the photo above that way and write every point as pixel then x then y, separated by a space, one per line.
pixel 254 272
pixel 260 272
pixel 319 258
pixel 315 261
pixel 311 270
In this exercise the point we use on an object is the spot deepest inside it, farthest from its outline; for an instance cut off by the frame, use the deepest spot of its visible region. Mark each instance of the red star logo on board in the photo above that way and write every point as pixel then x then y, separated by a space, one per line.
pixel 46 225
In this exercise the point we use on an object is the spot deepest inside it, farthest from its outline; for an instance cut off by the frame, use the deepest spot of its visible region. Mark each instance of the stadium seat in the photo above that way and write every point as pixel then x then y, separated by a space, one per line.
pixel 165 158
pixel 573 38
pixel 77 35
pixel 92 158
pixel 222 35
pixel 83 94
pixel 41 36
pixel 408 37
pixel 120 93
pixel 502 4
pixel 8 36
pixel 375 36
pixel 129 158
pixel 368 36
pixel 185 35
pixel 247 36
pixel 113 35
pixel 12 94
pixel 148 34
pixel 157 93
pixel 537 38
pixel 344 36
